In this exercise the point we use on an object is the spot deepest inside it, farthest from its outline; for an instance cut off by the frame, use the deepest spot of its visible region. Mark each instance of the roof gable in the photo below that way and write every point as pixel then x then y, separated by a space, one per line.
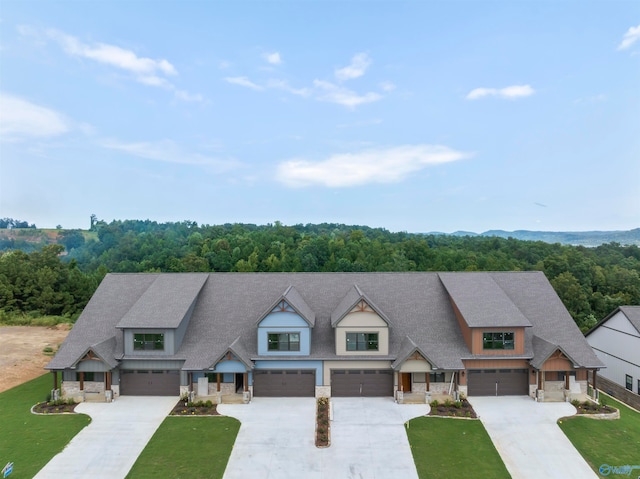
pixel 350 301
pixel 407 349
pixel 291 301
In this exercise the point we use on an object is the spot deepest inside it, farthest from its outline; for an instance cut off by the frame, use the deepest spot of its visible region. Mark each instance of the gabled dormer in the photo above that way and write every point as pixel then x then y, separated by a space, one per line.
pixel 285 327
pixel 361 328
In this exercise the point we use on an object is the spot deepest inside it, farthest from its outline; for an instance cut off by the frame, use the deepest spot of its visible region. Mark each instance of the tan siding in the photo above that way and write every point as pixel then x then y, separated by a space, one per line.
pixel 362 318
pixel 476 347
pixel 383 340
pixel 415 366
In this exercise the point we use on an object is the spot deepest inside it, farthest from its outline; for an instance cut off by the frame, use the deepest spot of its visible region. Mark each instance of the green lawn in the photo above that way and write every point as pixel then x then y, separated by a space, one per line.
pixel 188 447
pixel 616 443
pixel 445 448
pixel 28 440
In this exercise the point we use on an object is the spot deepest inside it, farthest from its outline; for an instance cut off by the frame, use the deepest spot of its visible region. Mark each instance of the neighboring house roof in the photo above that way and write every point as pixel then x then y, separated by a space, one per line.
pixel 353 297
pixel 295 300
pixel 481 301
pixel 632 313
pixel 227 306
pixel 166 302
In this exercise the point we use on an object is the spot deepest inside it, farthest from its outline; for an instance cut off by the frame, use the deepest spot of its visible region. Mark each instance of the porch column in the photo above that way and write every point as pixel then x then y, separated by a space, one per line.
pixel 566 380
pixel 81 381
pixel 190 381
pixel 218 382
pixel 107 381
pixel 245 380
pixel 55 379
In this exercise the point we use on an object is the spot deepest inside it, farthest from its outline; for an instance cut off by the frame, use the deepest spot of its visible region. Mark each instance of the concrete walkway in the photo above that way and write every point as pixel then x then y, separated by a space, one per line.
pixel 109 446
pixel 528 439
pixel 276 439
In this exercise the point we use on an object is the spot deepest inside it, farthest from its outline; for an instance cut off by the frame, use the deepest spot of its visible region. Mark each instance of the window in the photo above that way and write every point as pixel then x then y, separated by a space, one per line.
pixel 497 340
pixel 629 382
pixel 436 377
pixel 148 342
pixel 362 341
pixel 284 341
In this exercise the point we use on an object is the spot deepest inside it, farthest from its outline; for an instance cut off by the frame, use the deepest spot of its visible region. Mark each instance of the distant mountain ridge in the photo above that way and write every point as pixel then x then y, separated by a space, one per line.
pixel 575 238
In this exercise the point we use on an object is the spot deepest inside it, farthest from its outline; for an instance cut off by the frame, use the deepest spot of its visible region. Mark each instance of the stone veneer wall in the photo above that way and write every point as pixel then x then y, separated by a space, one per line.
pixel 323 391
pixel 618 392
pixel 71 389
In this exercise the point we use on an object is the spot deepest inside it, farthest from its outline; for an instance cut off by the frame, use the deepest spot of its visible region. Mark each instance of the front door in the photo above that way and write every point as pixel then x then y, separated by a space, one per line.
pixel 239 383
pixel 406 382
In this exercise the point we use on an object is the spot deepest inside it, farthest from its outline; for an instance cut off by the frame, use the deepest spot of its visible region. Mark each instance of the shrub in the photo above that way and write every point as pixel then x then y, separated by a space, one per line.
pixel 575 403
pixel 434 403
pixel 448 403
pixel 457 404
pixel 208 403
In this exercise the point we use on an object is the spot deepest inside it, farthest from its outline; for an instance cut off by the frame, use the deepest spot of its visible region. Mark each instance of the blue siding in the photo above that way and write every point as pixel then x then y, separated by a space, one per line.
pixel 285 323
pixel 229 367
pixel 283 320
pixel 317 365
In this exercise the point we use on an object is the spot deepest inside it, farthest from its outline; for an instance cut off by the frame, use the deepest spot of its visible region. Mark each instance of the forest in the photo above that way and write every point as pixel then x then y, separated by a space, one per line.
pixel 56 280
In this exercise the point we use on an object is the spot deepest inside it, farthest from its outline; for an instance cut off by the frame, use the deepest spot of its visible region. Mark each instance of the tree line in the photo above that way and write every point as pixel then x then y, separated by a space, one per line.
pixel 590 281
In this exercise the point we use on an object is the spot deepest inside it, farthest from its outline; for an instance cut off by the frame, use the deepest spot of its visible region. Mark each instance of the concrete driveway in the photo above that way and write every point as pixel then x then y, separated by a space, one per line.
pixel 276 439
pixel 528 439
pixel 109 446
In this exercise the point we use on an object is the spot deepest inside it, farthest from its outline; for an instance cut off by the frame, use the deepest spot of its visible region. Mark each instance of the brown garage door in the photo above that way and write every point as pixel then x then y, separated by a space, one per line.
pixel 149 383
pixel 498 382
pixel 361 382
pixel 284 383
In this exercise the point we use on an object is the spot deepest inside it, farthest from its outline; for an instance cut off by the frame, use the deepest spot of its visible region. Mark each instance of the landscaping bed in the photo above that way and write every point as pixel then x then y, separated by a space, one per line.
pixel 448 408
pixel 198 408
pixel 322 422
pixel 60 406
pixel 589 407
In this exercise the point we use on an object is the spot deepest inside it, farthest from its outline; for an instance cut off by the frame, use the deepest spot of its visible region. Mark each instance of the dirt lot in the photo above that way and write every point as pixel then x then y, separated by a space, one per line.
pixel 21 352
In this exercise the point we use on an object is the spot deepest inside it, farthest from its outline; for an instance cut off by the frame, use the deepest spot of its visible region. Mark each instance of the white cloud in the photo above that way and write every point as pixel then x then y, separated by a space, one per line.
pixel 387 86
pixel 383 165
pixel 343 96
pixel 358 66
pixel 632 36
pixel 243 81
pixel 510 92
pixel 169 152
pixel 147 71
pixel 283 85
pixel 20 119
pixel 273 58
pixel 112 55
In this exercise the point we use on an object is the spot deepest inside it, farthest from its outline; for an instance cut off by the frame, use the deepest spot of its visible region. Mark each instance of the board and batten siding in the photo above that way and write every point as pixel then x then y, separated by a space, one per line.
pixel 617 344
pixel 362 322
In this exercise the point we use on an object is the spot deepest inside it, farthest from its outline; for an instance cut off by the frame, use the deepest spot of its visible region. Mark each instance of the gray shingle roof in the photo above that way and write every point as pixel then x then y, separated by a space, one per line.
pixel 416 305
pixel 633 315
pixel 353 296
pixel 481 301
pixel 166 302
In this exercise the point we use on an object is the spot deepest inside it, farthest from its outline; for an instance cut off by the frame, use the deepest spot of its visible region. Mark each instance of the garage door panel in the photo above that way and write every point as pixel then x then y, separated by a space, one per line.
pixel 149 383
pixel 498 382
pixel 361 382
pixel 284 383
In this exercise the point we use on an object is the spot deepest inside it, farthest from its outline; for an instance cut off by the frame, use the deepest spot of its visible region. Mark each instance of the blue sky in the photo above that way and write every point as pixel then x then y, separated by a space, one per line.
pixel 412 116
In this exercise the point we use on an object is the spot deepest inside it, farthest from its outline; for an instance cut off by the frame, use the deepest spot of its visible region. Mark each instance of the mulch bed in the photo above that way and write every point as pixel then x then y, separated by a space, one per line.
pixel 450 410
pixel 589 407
pixel 199 408
pixel 322 422
pixel 54 408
